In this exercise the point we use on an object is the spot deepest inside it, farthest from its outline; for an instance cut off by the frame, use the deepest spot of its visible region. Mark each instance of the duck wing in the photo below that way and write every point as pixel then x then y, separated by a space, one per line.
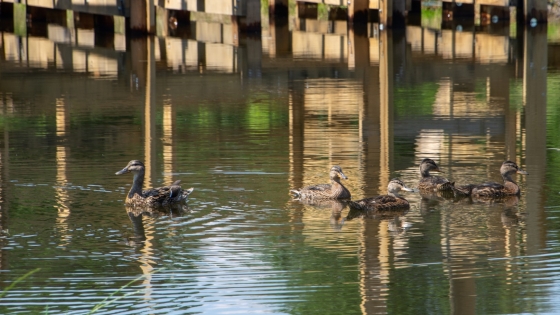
pixel 320 187
pixel 488 189
pixel 435 182
pixel 373 202
pixel 313 190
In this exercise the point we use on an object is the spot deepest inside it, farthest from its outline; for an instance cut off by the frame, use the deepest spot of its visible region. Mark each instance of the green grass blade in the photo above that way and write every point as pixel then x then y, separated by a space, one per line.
pixel 13 284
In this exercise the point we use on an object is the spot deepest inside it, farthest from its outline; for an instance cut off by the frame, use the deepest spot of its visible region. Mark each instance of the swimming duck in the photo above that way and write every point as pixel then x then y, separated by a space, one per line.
pixel 496 190
pixel 334 190
pixel 391 201
pixel 430 182
pixel 154 197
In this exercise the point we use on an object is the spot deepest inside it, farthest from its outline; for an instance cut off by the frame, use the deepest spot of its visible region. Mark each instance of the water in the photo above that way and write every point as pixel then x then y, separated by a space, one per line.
pixel 245 124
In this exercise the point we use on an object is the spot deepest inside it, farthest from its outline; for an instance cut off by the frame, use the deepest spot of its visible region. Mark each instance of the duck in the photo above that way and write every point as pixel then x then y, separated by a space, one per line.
pixel 493 189
pixel 391 201
pixel 153 197
pixel 334 190
pixel 431 182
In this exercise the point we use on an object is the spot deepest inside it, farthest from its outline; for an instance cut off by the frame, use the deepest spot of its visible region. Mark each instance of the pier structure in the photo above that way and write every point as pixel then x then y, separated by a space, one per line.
pixel 159 16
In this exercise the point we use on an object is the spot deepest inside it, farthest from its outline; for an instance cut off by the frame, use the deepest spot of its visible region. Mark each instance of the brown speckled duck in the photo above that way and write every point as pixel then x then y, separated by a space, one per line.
pixel 334 190
pixel 496 190
pixel 391 201
pixel 431 182
pixel 154 197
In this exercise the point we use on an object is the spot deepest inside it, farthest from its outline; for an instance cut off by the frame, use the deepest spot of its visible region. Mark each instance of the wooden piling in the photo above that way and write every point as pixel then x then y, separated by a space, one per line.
pixel 142 17
pixel 535 11
pixel 20 19
pixel 357 11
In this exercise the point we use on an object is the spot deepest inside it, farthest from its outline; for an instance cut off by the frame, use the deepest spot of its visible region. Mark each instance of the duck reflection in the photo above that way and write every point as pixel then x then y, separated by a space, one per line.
pixel 137 215
pixel 395 218
pixel 510 216
pixel 431 199
pixel 336 207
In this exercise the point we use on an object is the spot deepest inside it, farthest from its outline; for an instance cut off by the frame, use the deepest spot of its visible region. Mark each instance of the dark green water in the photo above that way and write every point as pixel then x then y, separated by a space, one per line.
pixel 245 124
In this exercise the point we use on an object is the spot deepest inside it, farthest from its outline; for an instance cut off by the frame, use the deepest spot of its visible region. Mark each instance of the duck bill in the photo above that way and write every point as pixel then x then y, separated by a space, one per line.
pixel 123 171
pixel 520 171
pixel 342 175
pixel 438 170
pixel 407 189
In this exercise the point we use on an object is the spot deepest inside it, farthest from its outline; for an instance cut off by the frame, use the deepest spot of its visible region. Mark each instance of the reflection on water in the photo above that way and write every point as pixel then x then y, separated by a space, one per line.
pixel 243 122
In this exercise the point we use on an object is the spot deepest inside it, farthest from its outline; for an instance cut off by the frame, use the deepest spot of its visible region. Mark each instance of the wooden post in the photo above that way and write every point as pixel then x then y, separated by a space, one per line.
pixel 278 7
pixel 142 16
pixel 358 11
pixel 534 99
pixel 119 23
pixel 392 13
pixel 162 20
pixel 20 19
pixel 535 11
pixel 252 20
pixel 70 19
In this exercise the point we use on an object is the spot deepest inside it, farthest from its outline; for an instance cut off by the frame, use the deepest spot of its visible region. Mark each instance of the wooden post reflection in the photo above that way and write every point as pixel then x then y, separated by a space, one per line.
pixel 374 266
pixel 150 114
pixel 168 124
pixel 279 42
pixel 61 179
pixel 7 106
pixel 149 155
pixel 386 58
pixel 296 121
pixel 376 134
pixel 534 99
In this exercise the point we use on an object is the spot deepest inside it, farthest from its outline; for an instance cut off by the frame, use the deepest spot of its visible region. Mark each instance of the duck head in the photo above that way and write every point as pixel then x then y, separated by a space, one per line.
pixel 133 166
pixel 396 185
pixel 428 165
pixel 509 168
pixel 336 173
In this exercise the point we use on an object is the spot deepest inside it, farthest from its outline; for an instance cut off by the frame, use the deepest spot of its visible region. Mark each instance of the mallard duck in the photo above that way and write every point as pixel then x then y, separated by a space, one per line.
pixel 391 201
pixel 430 182
pixel 154 197
pixel 496 190
pixel 334 190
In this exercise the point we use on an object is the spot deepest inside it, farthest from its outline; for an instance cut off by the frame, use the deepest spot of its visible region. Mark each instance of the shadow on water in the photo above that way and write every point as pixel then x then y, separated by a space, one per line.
pixel 244 120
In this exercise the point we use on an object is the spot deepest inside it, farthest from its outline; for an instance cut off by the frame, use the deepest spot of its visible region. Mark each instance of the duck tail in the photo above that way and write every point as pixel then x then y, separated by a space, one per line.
pixel 449 186
pixel 355 205
pixel 463 191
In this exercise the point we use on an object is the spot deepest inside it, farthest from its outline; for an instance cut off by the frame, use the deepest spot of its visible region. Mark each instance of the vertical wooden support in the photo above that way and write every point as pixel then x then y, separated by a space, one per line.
pixel 358 49
pixel 162 20
pixel 295 23
pixel 358 11
pixel 534 98
pixel 150 112
pixel 252 20
pixel 399 13
pixel 392 13
pixel 477 11
pixel 278 7
pixel 142 16
pixel 119 24
pixel 20 19
pixel 70 24
pixel 386 81
pixel 235 30
pixel 535 11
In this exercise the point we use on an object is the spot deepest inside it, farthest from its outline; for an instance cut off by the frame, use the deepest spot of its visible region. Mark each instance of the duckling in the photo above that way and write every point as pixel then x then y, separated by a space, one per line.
pixel 391 201
pixel 153 197
pixel 430 182
pixel 496 190
pixel 334 190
